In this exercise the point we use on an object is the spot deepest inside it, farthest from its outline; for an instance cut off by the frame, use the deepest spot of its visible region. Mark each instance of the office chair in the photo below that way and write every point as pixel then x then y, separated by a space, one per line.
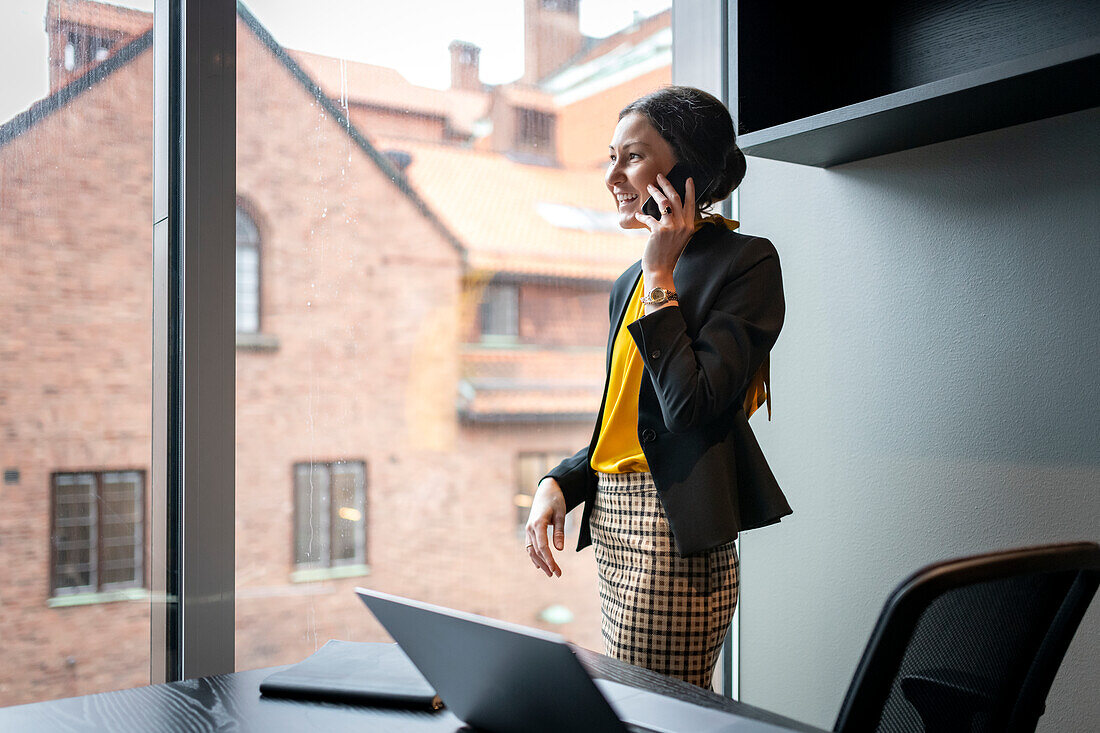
pixel 972 645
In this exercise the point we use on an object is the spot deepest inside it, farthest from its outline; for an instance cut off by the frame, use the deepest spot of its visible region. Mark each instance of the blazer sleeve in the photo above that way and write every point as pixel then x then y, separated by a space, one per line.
pixel 571 475
pixel 697 379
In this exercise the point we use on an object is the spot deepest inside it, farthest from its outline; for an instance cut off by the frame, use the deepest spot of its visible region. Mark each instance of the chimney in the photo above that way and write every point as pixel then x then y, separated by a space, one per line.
pixel 83 33
pixel 465 70
pixel 551 34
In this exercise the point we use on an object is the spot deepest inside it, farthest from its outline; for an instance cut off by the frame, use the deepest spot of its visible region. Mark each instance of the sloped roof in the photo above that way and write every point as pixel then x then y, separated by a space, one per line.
pixel 100 15
pixel 46 106
pixel 631 35
pixel 502 385
pixel 504 212
pixel 525 95
pixel 524 385
pixel 531 405
pixel 96 73
pixel 382 86
pixel 493 367
pixel 340 118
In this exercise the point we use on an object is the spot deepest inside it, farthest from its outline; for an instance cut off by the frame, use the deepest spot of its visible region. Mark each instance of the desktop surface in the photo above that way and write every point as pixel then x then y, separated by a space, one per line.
pixel 233 702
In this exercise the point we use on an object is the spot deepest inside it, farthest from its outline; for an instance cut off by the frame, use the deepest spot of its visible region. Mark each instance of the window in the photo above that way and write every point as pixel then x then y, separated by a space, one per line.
pixel 98 531
pixel 330 514
pixel 500 311
pixel 534 129
pixel 82 49
pixel 248 274
pixel 530 467
pixel 560 5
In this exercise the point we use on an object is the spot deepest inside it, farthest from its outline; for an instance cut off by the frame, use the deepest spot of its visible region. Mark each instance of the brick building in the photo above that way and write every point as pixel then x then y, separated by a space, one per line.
pixel 421 281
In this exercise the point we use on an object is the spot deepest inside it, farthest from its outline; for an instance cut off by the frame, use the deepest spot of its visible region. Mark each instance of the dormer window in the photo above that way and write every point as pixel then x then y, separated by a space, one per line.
pixel 565 6
pixel 499 314
pixel 534 130
pixel 82 49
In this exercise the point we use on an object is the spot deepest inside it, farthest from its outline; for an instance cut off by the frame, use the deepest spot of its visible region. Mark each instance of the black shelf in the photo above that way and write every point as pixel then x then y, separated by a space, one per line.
pixel 819 88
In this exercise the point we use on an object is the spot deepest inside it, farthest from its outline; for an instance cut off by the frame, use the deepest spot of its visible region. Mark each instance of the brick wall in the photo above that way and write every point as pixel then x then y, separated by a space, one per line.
pixel 75 362
pixel 563 316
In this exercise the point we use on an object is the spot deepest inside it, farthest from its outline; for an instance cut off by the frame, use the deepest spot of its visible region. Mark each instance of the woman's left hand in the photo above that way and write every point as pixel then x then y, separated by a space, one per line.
pixel 670 234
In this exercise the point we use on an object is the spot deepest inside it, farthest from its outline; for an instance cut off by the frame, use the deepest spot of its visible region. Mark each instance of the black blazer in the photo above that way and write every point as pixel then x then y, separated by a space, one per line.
pixel 710 474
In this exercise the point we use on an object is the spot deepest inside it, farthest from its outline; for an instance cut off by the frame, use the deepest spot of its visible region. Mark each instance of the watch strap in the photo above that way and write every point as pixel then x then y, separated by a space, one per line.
pixel 659 296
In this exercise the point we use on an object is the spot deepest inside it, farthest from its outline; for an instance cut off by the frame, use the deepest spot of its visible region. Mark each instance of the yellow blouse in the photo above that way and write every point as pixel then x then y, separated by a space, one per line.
pixel 617 449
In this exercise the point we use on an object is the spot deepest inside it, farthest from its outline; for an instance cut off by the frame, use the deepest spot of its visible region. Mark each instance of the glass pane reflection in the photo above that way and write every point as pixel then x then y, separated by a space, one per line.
pixel 76 124
pixel 436 251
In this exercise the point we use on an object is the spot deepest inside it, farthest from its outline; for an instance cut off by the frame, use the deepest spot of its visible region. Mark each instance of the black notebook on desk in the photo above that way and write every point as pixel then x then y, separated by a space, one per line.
pixel 363 673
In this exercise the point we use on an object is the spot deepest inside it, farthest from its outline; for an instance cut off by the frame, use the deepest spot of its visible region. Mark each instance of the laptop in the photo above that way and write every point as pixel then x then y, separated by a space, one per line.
pixel 506 678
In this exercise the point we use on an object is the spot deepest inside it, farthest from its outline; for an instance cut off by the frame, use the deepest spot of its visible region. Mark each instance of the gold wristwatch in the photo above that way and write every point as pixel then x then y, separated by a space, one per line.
pixel 659 296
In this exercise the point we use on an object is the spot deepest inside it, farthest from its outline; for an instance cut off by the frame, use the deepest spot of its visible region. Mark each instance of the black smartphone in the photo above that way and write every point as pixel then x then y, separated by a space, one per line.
pixel 678 178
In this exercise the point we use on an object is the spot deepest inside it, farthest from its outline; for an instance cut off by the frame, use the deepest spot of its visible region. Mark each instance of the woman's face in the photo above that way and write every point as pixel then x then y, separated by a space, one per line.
pixel 638 153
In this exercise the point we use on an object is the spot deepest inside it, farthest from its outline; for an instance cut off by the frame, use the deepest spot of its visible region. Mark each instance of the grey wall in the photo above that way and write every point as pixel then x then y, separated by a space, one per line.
pixel 936 391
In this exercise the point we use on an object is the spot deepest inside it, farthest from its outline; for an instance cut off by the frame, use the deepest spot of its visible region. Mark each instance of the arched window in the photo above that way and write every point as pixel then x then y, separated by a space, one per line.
pixel 248 274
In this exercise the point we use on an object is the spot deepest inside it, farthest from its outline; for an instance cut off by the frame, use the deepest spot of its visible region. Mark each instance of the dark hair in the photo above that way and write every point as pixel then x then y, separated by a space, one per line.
pixel 700 130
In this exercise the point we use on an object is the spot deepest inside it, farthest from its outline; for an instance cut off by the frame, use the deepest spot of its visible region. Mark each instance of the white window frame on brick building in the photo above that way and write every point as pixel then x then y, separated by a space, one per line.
pixel 531 466
pixel 535 131
pixel 248 273
pixel 82 49
pixel 326 523
pixel 108 509
pixel 498 314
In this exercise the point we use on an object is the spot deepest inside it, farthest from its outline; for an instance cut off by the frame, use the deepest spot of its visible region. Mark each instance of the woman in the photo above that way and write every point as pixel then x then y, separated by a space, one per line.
pixel 673 472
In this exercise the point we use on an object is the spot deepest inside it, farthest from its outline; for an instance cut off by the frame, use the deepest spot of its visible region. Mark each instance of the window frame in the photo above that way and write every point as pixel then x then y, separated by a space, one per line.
pixel 191 479
pixel 327 563
pixel 243 208
pixel 192 525
pixel 97 587
pixel 486 305
pixel 550 458
pixel 535 131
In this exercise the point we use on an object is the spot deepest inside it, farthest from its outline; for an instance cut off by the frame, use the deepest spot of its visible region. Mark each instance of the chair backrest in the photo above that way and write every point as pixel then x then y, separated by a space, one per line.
pixel 972 644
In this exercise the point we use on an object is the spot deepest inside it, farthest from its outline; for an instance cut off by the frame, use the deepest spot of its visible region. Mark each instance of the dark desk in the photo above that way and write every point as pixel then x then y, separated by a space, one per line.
pixel 232 702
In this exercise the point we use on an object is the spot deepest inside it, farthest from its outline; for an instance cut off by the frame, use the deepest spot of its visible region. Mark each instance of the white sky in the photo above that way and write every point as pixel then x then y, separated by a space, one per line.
pixel 409 35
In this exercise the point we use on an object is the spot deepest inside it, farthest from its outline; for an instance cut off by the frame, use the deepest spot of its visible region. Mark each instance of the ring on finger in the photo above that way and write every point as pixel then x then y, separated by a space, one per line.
pixel 668 210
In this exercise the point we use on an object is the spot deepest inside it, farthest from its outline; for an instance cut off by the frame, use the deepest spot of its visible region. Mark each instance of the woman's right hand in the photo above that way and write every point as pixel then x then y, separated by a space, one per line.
pixel 547 510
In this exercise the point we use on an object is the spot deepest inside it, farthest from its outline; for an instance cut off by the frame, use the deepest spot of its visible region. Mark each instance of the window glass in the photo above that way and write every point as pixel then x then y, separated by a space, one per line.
pixel 349 516
pixel 248 274
pixel 435 250
pixel 311 492
pixel 530 468
pixel 500 310
pixel 75 533
pixel 76 301
pixel 121 529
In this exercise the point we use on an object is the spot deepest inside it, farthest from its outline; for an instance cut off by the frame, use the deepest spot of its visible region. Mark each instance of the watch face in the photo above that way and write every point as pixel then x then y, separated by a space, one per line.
pixel 658 294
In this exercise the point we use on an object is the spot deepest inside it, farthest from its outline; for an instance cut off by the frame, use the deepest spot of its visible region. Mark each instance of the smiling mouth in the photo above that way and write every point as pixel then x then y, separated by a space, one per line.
pixel 623 200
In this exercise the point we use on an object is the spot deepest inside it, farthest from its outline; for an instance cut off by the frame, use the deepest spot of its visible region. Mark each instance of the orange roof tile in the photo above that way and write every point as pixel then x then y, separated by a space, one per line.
pixel 126 21
pixel 531 404
pixel 523 95
pixel 501 384
pixel 486 367
pixel 386 87
pixel 498 208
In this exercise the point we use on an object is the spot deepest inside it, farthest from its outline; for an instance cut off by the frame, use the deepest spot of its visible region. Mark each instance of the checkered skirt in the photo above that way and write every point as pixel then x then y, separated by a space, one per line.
pixel 660 611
